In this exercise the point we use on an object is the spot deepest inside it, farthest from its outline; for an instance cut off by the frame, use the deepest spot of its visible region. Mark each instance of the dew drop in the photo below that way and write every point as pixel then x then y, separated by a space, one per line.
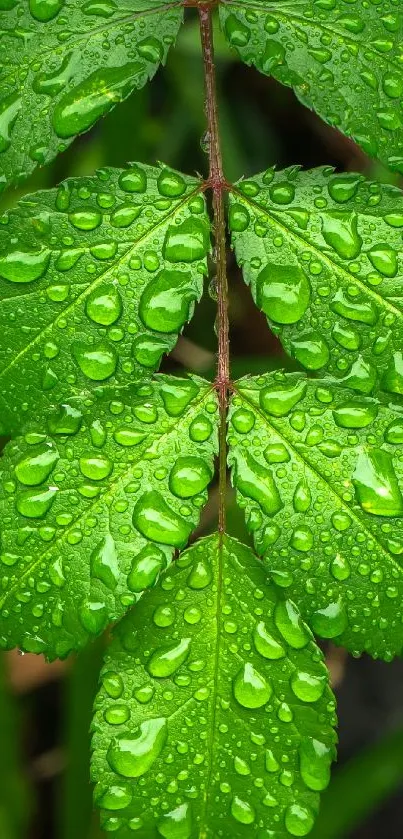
pixel 133 756
pixel 45 10
pixel 34 468
pixel 104 305
pixel 314 760
pixel 251 689
pixel 256 482
pixel 104 562
pixel 187 242
pixel 278 400
pixel 340 232
pixel 289 623
pixel 376 484
pixel 165 302
pixel 146 568
pixel 299 820
pixel 166 660
pixel 155 520
pixel 265 644
pixel 283 292
pixel 24 267
pixel 35 503
pixel 331 621
pixel 177 824
pixel 242 811
pixel 97 362
pixel 189 476
pixel 306 686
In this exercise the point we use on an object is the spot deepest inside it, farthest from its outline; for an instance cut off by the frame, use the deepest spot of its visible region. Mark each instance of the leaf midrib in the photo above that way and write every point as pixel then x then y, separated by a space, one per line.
pixel 109 490
pixel 311 468
pixel 101 278
pixel 382 302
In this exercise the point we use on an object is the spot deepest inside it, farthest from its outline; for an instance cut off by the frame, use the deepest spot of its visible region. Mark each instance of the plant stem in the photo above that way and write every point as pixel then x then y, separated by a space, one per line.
pixel 218 185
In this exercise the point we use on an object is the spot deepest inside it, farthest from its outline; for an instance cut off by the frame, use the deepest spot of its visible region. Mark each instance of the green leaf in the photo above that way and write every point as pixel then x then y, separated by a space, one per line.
pixel 65 63
pixel 214 717
pixel 322 254
pixel 341 62
pixel 97 279
pixel 319 472
pixel 93 504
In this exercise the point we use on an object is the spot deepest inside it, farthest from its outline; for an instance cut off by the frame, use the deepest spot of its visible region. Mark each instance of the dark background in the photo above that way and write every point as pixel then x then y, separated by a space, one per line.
pixel 45 710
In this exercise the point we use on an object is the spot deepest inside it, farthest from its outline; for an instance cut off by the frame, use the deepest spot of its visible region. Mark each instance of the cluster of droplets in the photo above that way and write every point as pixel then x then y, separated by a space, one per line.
pixel 71 79
pixel 94 505
pixel 327 277
pixel 345 54
pixel 113 271
pixel 254 673
pixel 319 472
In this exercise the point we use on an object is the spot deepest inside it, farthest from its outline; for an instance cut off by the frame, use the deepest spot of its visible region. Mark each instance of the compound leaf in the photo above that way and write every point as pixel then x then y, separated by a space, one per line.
pixel 93 503
pixel 319 472
pixel 322 254
pixel 343 63
pixel 64 64
pixel 214 716
pixel 97 279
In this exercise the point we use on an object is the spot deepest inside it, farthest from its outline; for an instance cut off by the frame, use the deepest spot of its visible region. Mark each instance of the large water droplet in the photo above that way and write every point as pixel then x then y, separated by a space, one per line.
pixel 34 467
pixel 104 305
pixel 177 824
pixel 146 568
pixel 187 242
pixel 44 10
pixel 330 621
pixel 306 686
pixel 166 660
pixel 392 380
pixel 279 400
pixel 251 689
pixel 362 312
pixel 78 109
pixel 9 110
pixel 104 562
pixel 133 756
pixel 311 350
pixel 314 760
pixel 289 623
pixel 340 232
pixel 242 811
pixel 23 266
pixel 35 503
pixel 189 476
pixel 299 820
pixel 376 484
pixel 283 292
pixel 165 302
pixel 256 482
pixel 355 414
pixel 265 644
pixel 96 467
pixel 157 521
pixel 97 362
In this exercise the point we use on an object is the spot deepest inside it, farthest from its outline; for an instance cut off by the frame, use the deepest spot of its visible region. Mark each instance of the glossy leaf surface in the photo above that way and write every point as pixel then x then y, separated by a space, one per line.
pixel 93 504
pixel 343 60
pixel 323 256
pixel 319 472
pixel 65 63
pixel 97 279
pixel 221 724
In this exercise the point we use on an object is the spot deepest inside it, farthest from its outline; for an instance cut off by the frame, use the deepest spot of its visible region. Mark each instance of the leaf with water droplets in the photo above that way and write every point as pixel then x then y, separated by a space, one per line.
pixel 97 279
pixel 94 500
pixel 322 254
pixel 220 713
pixel 341 61
pixel 319 474
pixel 63 67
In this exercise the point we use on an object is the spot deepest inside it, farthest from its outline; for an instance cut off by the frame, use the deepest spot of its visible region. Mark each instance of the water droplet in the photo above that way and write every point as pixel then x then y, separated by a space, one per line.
pixel 96 467
pixel 113 684
pixel 117 714
pixel 35 503
pixel 200 575
pixel 189 476
pixel 34 467
pixel 23 266
pixel 165 302
pixel 302 498
pixel 384 259
pixel 311 350
pixel 9 110
pixel 331 621
pixel 265 644
pixel 276 453
pixel 340 568
pixel 256 482
pixel 171 184
pixel 289 623
pixel 177 824
pixel 157 521
pixel 133 179
pixel 306 686
pixel 80 107
pixel 187 242
pixel 236 31
pixel 104 562
pixel 314 760
pixel 133 756
pixel 355 414
pixel 104 305
pixel 97 362
pixel 146 568
pixel 200 429
pixel 166 660
pixel 177 395
pixel 242 811
pixel 299 820
pixel 363 312
pixel 394 432
pixel 115 797
pixel 44 10
pixel 93 616
pixel 340 232
pixel 279 400
pixel 239 218
pixel 283 292
pixel 376 484
pixel 392 381
pixel 251 689
pixel 344 187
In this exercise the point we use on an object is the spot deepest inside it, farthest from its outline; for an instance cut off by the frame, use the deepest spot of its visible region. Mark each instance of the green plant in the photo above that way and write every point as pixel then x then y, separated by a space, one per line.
pixel 214 717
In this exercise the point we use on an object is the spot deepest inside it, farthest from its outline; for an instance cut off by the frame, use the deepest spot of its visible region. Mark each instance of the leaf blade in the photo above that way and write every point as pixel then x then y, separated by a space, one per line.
pixel 317 53
pixel 230 799
pixel 97 507
pixel 58 83
pixel 328 514
pixel 322 255
pixel 97 279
